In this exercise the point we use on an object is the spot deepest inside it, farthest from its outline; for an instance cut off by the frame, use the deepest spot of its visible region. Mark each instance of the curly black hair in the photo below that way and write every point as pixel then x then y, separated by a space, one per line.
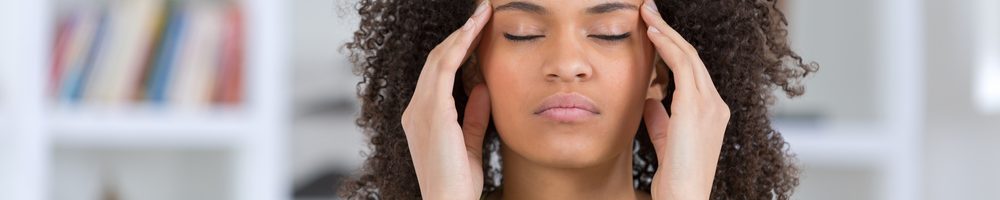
pixel 743 43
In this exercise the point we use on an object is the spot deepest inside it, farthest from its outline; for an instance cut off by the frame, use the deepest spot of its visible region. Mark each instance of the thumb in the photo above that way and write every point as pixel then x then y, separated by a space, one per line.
pixel 477 118
pixel 657 123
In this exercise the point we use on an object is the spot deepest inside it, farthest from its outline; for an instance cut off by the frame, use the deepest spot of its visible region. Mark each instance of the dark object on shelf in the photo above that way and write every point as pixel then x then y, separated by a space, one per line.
pixel 323 186
pixel 343 106
pixel 109 189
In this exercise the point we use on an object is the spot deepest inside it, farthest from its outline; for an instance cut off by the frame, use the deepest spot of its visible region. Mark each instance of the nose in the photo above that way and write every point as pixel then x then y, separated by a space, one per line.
pixel 566 61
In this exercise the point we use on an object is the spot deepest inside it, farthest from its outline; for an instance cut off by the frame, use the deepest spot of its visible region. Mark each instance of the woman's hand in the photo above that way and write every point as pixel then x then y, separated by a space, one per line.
pixel 688 141
pixel 448 157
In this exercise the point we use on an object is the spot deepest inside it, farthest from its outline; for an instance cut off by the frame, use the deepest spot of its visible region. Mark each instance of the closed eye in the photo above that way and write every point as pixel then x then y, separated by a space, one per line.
pixel 612 37
pixel 521 38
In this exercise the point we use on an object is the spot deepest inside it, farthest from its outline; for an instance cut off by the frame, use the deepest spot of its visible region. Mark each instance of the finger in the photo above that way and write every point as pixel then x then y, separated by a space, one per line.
pixel 670 50
pixel 653 18
pixel 678 61
pixel 462 40
pixel 702 78
pixel 657 123
pixel 443 62
pixel 477 118
pixel 482 20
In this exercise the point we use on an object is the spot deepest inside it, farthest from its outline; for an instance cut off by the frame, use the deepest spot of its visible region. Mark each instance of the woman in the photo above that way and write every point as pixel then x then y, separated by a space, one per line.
pixel 560 99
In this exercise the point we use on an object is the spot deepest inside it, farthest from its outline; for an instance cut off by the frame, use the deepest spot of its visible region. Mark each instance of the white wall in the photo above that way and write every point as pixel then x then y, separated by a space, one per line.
pixel 841 36
pixel 961 158
pixel 324 136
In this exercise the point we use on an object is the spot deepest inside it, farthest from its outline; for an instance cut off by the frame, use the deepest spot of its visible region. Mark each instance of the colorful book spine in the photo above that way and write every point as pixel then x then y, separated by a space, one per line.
pixel 163 66
pixel 231 72
pixel 76 52
pixel 97 44
pixel 59 48
pixel 156 52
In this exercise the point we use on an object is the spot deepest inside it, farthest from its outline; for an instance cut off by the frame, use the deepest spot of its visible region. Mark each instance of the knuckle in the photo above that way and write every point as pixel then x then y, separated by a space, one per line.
pixel 656 134
pixel 406 118
pixel 683 61
pixel 448 63
pixel 690 48
pixel 405 123
pixel 449 114
pixel 723 110
pixel 442 57
pixel 474 124
pixel 435 53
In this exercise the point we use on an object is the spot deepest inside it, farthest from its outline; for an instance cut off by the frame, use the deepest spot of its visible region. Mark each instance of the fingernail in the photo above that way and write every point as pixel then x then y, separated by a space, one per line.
pixel 651 6
pixel 481 8
pixel 653 30
pixel 468 24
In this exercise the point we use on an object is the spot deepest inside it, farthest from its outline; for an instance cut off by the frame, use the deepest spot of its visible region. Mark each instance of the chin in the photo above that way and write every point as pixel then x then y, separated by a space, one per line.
pixel 575 147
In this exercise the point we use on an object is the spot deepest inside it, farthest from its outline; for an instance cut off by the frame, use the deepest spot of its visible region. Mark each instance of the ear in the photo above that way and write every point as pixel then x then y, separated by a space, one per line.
pixel 658 80
pixel 472 74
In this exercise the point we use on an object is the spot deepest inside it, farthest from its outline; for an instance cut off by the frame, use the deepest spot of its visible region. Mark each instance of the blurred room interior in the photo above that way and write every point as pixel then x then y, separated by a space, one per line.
pixel 258 100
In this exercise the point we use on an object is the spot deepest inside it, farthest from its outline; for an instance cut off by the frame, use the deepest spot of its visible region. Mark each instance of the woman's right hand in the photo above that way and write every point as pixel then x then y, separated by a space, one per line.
pixel 447 157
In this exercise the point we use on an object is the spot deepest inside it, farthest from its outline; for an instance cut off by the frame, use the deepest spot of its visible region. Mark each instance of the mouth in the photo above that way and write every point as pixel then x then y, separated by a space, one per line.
pixel 567 108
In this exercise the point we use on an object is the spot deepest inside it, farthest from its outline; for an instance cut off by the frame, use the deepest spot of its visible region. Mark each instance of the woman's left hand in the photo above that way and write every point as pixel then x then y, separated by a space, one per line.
pixel 687 141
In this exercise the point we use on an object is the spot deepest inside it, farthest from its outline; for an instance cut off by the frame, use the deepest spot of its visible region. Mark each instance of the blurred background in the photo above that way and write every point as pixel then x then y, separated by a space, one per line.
pixel 254 99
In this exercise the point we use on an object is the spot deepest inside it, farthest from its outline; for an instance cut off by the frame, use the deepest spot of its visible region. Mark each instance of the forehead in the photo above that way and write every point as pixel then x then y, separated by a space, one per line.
pixel 565 2
pixel 558 5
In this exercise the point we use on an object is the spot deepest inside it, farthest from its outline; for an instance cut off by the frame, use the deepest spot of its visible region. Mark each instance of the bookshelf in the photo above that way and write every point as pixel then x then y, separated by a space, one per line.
pixel 243 145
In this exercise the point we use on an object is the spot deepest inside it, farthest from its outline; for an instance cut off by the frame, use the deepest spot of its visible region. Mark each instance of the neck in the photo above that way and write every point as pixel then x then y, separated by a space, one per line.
pixel 523 179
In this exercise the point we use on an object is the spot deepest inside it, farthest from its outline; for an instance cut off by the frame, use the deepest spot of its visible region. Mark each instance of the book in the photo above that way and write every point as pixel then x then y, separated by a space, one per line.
pixel 64 32
pixel 193 85
pixel 230 85
pixel 131 29
pixel 165 58
pixel 186 54
pixel 77 49
pixel 97 42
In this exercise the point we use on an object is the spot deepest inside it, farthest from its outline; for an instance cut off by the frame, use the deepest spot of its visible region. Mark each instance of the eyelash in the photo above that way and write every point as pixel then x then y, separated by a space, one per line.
pixel 613 37
pixel 521 38
pixel 526 38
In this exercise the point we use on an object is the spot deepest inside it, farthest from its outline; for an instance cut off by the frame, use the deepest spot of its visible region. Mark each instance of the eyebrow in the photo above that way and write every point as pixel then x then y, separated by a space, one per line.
pixel 537 9
pixel 611 7
pixel 522 6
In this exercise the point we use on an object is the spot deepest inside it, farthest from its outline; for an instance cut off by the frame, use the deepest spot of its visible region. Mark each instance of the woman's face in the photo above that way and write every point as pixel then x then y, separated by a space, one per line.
pixel 567 78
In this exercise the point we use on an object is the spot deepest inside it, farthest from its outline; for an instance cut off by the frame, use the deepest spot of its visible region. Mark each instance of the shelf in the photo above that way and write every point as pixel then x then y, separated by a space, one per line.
pixel 178 140
pixel 839 150
pixel 844 144
pixel 142 174
pixel 149 128
pixel 149 120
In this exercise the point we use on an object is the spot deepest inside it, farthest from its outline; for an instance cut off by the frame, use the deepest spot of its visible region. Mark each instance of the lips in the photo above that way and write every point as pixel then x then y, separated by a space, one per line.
pixel 567 108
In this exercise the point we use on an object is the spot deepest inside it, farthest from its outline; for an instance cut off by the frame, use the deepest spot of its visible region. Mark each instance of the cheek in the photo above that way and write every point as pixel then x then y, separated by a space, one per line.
pixel 624 91
pixel 624 86
pixel 509 82
pixel 625 73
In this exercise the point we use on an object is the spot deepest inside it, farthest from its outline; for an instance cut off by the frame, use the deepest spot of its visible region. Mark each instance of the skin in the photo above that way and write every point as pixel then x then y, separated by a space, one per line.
pixel 544 159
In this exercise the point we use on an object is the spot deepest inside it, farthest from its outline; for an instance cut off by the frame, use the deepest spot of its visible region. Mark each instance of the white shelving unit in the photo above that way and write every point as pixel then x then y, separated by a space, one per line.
pixel 890 145
pixel 33 128
pixel 987 83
